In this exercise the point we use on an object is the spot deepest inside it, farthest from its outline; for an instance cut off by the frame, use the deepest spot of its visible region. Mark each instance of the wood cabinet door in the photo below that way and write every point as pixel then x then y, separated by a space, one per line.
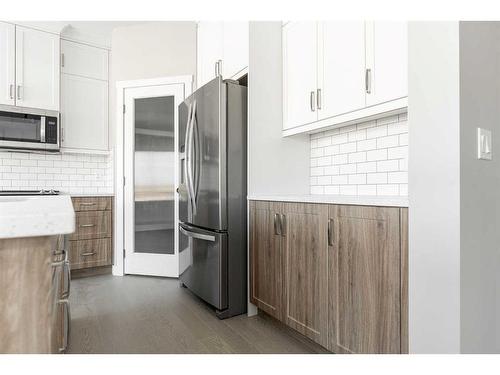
pixel 341 67
pixel 306 269
pixel 299 73
pixel 84 113
pixel 266 258
pixel 209 49
pixel 364 280
pixel 7 63
pixel 37 69
pixel 387 59
pixel 84 60
pixel 235 48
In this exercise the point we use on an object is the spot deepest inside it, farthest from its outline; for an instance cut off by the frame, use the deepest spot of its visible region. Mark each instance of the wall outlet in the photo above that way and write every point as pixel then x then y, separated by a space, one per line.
pixel 484 151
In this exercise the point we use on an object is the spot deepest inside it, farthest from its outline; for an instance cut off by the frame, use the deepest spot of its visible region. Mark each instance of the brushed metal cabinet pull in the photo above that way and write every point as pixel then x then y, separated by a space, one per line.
pixel 87 225
pixel 318 98
pixel 277 226
pixel 62 60
pixel 88 254
pixel 67 320
pixel 87 204
pixel 313 101
pixel 18 90
pixel 11 91
pixel 368 81
pixel 330 232
pixel 283 225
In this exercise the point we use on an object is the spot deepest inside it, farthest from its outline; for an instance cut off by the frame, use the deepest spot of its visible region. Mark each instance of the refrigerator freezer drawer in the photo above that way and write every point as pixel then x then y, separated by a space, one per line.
pixel 206 272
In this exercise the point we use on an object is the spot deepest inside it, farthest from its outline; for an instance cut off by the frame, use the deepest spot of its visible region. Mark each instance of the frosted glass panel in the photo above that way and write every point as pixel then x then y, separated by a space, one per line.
pixel 154 175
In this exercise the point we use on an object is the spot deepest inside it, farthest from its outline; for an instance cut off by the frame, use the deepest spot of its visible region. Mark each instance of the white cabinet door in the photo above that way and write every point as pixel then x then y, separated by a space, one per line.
pixel 37 69
pixel 341 67
pixel 387 61
pixel 299 73
pixel 210 50
pixel 235 48
pixel 84 113
pixel 84 60
pixel 7 63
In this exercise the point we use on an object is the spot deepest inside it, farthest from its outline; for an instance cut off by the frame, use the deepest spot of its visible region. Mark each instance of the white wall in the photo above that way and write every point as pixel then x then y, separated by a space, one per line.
pixel 276 165
pixel 151 50
pixel 434 187
pixel 479 187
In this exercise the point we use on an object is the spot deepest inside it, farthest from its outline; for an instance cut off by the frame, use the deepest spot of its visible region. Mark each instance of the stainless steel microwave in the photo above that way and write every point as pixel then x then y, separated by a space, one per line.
pixel 29 129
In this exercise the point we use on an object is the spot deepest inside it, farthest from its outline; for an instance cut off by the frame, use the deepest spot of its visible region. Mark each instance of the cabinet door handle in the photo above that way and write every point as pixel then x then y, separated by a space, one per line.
pixel 18 92
pixel 283 225
pixel 277 226
pixel 87 225
pixel 67 320
pixel 88 254
pixel 313 101
pixel 318 98
pixel 62 60
pixel 216 69
pixel 368 81
pixel 87 204
pixel 330 232
pixel 11 91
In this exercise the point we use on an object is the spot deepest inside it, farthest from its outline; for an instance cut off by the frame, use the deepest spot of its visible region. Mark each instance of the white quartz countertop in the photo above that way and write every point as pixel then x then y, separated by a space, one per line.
pixel 29 216
pixel 361 200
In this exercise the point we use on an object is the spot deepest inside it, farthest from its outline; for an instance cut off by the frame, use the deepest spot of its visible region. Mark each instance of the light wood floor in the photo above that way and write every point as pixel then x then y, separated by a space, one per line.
pixel 135 314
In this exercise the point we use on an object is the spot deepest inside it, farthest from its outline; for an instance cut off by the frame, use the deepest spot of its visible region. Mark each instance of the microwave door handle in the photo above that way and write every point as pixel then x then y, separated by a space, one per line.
pixel 42 129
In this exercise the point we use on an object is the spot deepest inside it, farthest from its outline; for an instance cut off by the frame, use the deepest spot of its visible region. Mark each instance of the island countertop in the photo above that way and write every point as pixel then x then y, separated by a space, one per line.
pixel 29 216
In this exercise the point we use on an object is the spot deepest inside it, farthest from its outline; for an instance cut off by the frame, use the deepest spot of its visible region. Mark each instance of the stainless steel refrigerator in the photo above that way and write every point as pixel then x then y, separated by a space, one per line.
pixel 212 195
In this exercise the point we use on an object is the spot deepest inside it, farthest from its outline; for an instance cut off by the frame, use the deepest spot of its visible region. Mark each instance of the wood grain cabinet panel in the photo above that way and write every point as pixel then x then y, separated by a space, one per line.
pixel 92 224
pixel 266 288
pixel 92 203
pixel 90 253
pixel 304 231
pixel 365 279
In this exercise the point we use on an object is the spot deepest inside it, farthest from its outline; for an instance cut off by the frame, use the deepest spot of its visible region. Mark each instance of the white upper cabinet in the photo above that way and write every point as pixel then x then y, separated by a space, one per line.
pixel 235 48
pixel 387 61
pixel 84 113
pixel 7 63
pixel 222 48
pixel 299 74
pixel 341 72
pixel 84 60
pixel 341 67
pixel 37 69
pixel 84 97
pixel 209 50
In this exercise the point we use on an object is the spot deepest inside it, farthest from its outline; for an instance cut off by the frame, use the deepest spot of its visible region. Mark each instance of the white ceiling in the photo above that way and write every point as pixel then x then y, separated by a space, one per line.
pixel 96 32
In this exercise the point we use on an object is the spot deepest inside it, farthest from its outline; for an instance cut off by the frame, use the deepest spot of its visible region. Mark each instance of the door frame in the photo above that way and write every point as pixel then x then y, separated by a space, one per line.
pixel 118 268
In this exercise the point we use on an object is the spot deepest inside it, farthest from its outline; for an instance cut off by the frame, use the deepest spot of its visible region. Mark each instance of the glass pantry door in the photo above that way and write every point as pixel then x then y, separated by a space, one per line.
pixel 151 167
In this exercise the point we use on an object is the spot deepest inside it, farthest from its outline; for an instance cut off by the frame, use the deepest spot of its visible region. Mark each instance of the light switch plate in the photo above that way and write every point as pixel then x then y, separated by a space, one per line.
pixel 484 151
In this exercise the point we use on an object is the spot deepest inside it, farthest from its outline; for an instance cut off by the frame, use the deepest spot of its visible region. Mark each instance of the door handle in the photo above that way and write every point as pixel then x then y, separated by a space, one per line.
pixel 87 204
pixel 18 90
pixel 277 226
pixel 318 98
pixel 11 91
pixel 67 279
pixel 199 236
pixel 87 225
pixel 67 320
pixel 368 81
pixel 330 232
pixel 283 225
pixel 88 254
pixel 313 101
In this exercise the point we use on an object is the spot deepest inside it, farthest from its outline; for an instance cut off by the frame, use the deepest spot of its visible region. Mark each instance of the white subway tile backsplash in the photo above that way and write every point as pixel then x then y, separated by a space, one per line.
pixel 370 158
pixel 70 173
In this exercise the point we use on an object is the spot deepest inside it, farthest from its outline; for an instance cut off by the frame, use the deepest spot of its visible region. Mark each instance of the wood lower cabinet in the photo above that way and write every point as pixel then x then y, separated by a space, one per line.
pixel 341 271
pixel 266 288
pixel 92 242
pixel 304 232
pixel 364 280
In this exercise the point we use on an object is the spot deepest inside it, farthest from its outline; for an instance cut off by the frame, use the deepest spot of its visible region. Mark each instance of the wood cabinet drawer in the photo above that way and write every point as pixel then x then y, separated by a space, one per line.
pixel 90 253
pixel 92 224
pixel 92 203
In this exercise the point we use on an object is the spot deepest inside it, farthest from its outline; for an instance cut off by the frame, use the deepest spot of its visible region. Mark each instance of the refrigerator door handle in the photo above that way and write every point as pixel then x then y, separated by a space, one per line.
pixel 197 158
pixel 199 236
pixel 192 158
pixel 188 164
